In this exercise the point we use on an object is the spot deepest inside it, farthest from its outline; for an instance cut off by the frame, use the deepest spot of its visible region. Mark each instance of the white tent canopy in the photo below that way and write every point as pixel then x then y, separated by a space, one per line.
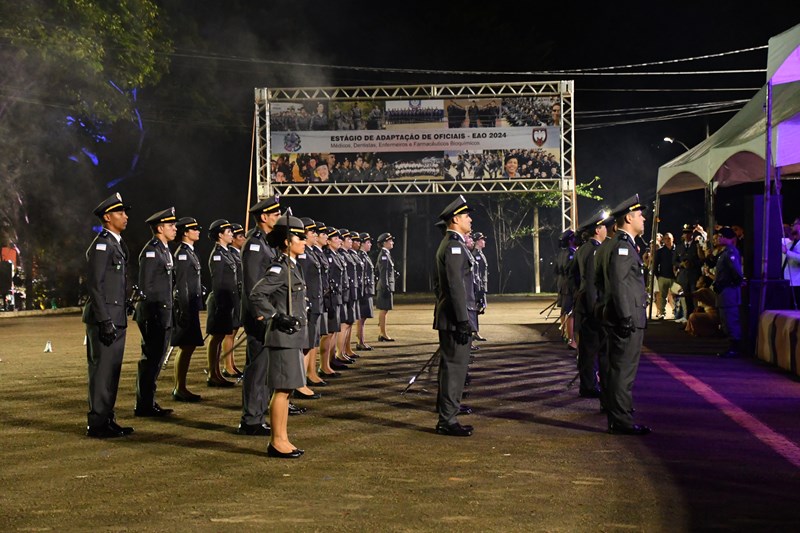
pixel 734 154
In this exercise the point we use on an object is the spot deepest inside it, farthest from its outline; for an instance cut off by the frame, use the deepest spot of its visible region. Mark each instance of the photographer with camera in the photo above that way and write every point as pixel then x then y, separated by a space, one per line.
pixel 689 256
pixel 105 317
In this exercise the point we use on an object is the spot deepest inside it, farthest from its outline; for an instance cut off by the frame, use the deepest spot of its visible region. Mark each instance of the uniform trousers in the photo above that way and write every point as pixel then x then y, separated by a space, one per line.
pixel 255 394
pixel 155 339
pixel 453 363
pixel 588 349
pixel 105 363
pixel 623 363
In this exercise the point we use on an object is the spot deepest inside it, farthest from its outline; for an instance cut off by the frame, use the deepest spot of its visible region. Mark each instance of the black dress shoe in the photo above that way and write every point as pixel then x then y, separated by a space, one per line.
pixel 103 432
pixel 364 347
pixel 454 430
pixel 223 383
pixel 381 338
pixel 295 410
pixel 125 430
pixel 591 393
pixel 342 361
pixel 185 396
pixel 352 355
pixel 464 409
pixel 635 429
pixel 473 348
pixel 329 374
pixel 272 452
pixel 477 337
pixel 253 429
pixel 156 411
pixel 337 366
pixel 316 383
pixel 304 396
pixel 235 375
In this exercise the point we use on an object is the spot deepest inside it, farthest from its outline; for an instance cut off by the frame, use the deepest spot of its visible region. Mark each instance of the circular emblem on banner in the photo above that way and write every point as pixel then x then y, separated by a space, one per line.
pixel 539 136
pixel 291 142
pixel 415 104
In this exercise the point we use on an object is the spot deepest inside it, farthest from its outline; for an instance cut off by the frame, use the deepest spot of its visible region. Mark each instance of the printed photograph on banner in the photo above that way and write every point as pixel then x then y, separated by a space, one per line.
pixel 530 111
pixel 310 115
pixel 360 115
pixel 472 112
pixel 463 165
pixel 536 163
pixel 417 113
pixel 356 167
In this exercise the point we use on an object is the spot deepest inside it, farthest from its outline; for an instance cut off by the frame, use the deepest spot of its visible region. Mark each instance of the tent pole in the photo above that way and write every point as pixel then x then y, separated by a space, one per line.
pixel 767 191
pixel 652 265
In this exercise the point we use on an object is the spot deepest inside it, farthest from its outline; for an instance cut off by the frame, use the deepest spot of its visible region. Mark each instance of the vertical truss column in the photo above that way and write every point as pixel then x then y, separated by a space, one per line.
pixel 569 207
pixel 263 148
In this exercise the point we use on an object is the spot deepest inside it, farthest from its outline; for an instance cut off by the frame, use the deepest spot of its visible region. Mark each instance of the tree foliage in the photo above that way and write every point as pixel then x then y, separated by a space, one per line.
pixel 511 217
pixel 68 72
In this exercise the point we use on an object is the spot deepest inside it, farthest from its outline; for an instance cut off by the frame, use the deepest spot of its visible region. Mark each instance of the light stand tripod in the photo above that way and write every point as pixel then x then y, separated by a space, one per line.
pixel 429 364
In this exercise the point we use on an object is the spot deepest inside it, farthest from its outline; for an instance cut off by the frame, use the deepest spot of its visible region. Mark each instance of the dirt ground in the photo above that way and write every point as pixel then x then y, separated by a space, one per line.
pixel 540 459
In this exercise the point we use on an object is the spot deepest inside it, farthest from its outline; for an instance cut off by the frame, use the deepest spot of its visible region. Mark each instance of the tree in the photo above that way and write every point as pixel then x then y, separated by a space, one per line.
pixel 511 216
pixel 68 72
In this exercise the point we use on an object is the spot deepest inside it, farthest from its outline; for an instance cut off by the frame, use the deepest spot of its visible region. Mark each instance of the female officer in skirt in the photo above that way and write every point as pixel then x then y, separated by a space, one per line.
pixel 223 300
pixel 384 295
pixel 186 334
pixel 279 299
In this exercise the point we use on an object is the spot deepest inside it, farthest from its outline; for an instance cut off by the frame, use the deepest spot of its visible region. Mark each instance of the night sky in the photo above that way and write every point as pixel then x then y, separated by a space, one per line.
pixel 196 152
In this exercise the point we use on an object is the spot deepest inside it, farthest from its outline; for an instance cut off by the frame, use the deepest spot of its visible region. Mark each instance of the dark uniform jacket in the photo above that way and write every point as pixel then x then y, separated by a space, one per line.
pixel 385 268
pixel 453 283
pixel 324 276
pixel 356 255
pixel 271 295
pixel 224 295
pixel 369 274
pixel 351 272
pixel 155 283
pixel 106 281
pixel 620 279
pixel 188 288
pixel 586 297
pixel 340 289
pixel 312 273
pixel 257 255
pixel 728 279
pixel 481 274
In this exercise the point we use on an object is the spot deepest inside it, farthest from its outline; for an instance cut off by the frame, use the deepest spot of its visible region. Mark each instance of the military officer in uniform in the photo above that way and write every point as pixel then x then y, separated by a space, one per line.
pixel 154 311
pixel 384 298
pixel 105 317
pixel 368 292
pixel 278 301
pixel 222 300
pixel 452 284
pixel 337 281
pixel 309 263
pixel 619 277
pixel 257 255
pixel 727 285
pixel 235 249
pixel 187 334
pixel 312 375
pixel 481 277
pixel 588 326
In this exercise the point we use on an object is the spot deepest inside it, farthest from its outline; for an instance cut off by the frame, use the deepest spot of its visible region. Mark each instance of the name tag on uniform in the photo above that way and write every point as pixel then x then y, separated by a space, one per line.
pixel 255 247
pixel 183 257
pixel 384 258
pixel 149 254
pixel 301 256
pixel 623 251
pixel 216 258
pixel 276 269
pixel 101 246
pixel 455 250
